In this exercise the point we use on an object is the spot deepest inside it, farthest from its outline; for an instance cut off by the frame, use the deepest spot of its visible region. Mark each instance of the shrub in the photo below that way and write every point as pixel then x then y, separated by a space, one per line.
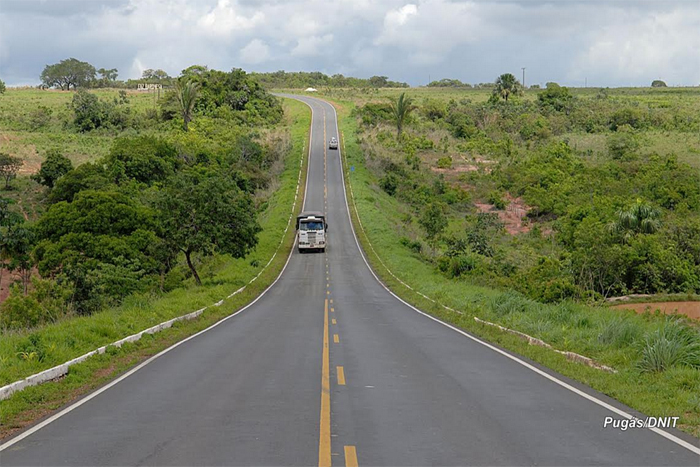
pixel 445 162
pixel 413 245
pixel 496 200
pixel 462 264
pixel 555 98
pixel 90 113
pixel 620 332
pixel 46 302
pixel 389 183
pixel 511 302
pixel 627 116
pixel 622 144
pixel 54 167
pixel 673 344
pixel 39 117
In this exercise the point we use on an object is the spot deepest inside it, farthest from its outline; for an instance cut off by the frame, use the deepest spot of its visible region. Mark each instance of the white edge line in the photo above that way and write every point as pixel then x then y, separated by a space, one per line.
pixel 552 378
pixel 99 391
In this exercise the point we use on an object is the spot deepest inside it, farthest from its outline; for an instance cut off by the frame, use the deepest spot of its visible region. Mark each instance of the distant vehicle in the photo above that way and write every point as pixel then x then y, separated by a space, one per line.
pixel 311 229
pixel 333 143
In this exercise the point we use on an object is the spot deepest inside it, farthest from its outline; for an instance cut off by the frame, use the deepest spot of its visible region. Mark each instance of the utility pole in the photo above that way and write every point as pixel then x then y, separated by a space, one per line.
pixel 523 77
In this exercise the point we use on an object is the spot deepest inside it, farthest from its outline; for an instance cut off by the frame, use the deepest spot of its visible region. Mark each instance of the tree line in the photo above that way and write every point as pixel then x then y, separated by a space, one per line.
pixel 303 79
pixel 71 74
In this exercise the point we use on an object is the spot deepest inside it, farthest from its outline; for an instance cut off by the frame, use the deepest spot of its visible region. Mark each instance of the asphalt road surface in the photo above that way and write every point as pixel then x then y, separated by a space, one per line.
pixel 329 367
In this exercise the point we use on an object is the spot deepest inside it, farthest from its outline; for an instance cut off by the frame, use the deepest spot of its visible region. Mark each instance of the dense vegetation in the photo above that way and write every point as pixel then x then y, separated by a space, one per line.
pixel 315 79
pixel 142 218
pixel 585 222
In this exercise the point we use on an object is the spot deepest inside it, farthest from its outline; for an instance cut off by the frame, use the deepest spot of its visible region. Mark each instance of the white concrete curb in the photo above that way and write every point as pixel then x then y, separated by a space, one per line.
pixel 61 370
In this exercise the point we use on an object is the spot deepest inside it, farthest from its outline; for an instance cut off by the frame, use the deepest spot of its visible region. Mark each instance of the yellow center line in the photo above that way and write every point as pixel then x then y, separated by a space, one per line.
pixel 324 441
pixel 341 375
pixel 336 339
pixel 334 321
pixel 350 456
pixel 332 310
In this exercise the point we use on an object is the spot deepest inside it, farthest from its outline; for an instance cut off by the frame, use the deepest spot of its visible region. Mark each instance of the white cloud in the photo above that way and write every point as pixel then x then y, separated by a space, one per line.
pixel 255 52
pixel 611 43
pixel 638 48
pixel 312 46
pixel 428 32
pixel 223 20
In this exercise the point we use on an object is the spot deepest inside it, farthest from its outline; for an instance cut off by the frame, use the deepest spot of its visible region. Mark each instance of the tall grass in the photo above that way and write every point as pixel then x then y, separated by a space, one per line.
pixel 673 344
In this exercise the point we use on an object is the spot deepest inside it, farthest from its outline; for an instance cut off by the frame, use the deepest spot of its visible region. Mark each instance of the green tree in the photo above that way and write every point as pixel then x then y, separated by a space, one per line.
pixel 433 220
pixel 146 159
pixel 640 218
pixel 507 85
pixel 86 176
pixel 54 167
pixel 657 83
pixel 107 76
pixel 8 218
pixel 186 97
pixel 89 112
pixel 18 242
pixel 556 98
pixel 401 109
pixel 2 87
pixel 103 243
pixel 9 166
pixel 151 74
pixel 68 73
pixel 203 213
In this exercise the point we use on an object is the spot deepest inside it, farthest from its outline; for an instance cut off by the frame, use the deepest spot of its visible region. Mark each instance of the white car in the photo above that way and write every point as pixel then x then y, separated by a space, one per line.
pixel 333 143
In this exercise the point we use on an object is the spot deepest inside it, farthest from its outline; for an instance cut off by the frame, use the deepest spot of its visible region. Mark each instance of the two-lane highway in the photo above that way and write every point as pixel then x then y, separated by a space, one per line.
pixel 329 368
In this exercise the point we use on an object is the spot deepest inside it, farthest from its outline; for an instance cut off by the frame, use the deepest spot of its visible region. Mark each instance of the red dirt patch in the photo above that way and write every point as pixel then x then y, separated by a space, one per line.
pixel 29 167
pixel 512 216
pixel 690 309
pixel 458 169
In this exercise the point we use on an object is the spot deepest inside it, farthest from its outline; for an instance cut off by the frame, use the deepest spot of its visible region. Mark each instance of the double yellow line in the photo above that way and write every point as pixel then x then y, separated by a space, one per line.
pixel 324 442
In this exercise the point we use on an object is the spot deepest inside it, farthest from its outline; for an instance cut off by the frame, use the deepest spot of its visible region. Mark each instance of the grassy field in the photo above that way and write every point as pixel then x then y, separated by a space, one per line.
pixel 26 353
pixel 622 340
pixel 33 121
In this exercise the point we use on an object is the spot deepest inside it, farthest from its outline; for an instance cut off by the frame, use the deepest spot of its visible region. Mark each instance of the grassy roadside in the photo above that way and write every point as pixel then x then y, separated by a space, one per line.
pixel 55 344
pixel 601 334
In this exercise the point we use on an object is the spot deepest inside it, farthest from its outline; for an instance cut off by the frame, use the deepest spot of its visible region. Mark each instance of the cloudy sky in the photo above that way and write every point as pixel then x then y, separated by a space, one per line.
pixel 603 43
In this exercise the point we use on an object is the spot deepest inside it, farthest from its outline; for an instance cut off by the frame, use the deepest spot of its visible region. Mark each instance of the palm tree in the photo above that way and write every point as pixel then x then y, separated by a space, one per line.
pixel 640 218
pixel 401 109
pixel 186 97
pixel 507 85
